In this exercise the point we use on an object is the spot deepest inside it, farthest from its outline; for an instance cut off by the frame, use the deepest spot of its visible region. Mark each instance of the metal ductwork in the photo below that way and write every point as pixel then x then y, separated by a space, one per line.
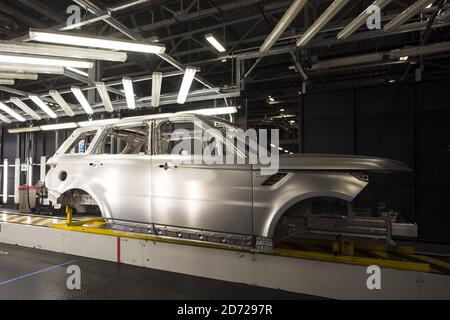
pixel 420 50
pixel 318 25
pixel 282 25
pixel 349 61
pixel 361 19
pixel 406 15
pixel 382 56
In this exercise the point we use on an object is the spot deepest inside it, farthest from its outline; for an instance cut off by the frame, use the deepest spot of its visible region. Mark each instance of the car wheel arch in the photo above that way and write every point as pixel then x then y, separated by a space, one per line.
pixel 284 209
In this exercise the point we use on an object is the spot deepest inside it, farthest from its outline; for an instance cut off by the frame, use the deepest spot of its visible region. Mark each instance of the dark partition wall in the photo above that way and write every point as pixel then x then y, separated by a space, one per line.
pixel 407 122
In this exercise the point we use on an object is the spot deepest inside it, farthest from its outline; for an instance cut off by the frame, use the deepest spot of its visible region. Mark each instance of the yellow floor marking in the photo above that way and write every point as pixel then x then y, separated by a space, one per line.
pixel 381 254
pixel 434 261
pixel 31 220
pixel 8 217
pixel 44 222
pixel 17 219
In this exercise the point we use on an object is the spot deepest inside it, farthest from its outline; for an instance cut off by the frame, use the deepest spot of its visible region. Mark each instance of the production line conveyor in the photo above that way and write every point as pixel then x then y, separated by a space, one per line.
pixel 333 269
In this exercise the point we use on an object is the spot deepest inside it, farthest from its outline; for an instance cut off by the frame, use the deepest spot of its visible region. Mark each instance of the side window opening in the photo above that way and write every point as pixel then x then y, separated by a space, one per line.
pixel 82 143
pixel 182 138
pixel 125 140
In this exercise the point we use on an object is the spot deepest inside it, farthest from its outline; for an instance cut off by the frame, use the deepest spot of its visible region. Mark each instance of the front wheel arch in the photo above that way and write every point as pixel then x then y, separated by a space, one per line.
pixel 281 212
pixel 69 193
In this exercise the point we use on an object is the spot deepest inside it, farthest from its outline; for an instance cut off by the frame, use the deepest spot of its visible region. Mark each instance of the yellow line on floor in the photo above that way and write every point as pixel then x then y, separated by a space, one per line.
pixel 44 222
pixel 32 220
pixel 17 219
pixel 434 261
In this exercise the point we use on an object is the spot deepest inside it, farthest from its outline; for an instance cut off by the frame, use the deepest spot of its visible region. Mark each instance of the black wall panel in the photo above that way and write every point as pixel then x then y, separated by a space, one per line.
pixel 406 122
pixel 328 136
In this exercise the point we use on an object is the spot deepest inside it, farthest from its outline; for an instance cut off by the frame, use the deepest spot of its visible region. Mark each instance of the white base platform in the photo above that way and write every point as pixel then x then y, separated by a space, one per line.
pixel 325 279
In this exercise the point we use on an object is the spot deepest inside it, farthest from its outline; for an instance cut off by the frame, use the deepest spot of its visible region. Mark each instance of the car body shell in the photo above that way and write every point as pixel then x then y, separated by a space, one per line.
pixel 228 198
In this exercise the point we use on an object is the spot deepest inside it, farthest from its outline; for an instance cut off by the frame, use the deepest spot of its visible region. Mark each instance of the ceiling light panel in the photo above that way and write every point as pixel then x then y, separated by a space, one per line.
pixel 61 102
pixel 21 105
pixel 41 104
pixel 129 92
pixel 156 88
pixel 11 112
pixel 44 61
pixel 62 51
pixel 82 100
pixel 95 42
pixel 188 77
pixel 104 95
pixel 214 42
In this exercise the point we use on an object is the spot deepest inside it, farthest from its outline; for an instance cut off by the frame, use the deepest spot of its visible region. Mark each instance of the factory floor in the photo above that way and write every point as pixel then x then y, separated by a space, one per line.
pixel 36 274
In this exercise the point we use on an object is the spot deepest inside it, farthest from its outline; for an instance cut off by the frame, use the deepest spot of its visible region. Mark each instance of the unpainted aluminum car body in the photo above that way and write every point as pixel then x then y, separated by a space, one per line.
pixel 206 201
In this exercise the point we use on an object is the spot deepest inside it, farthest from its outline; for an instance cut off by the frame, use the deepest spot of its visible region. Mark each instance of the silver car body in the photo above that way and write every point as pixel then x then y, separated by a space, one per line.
pixel 223 198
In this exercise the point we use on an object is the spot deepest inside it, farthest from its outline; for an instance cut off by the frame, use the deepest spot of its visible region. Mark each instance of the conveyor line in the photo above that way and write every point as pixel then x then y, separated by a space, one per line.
pixel 402 258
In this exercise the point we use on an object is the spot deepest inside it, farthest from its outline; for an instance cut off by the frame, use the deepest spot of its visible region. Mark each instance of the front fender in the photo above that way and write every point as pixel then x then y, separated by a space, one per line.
pixel 270 203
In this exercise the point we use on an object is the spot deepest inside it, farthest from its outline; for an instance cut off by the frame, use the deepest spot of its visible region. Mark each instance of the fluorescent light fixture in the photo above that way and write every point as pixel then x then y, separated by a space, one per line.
pixel 44 61
pixel 61 51
pixel 11 112
pixel 319 23
pixel 7 81
pixel 282 25
pixel 404 58
pixel 97 122
pixel 156 88
pixel 213 111
pixel 62 103
pixel 95 42
pixel 129 92
pixel 407 14
pixel 59 126
pixel 5 119
pixel 361 19
pixel 15 75
pixel 82 100
pixel 5 181
pixel 77 71
pixel 41 104
pixel 103 92
pixel 19 67
pixel 189 75
pixel 214 42
pixel 24 129
pixel 286 151
pixel 271 99
pixel 19 103
pixel 280 148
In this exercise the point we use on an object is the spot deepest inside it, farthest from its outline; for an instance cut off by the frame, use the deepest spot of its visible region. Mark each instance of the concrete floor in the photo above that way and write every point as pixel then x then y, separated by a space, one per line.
pixel 36 274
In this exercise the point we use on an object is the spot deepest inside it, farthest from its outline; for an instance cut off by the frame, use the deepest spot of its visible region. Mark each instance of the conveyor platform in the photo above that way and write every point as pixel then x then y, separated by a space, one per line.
pixel 333 269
